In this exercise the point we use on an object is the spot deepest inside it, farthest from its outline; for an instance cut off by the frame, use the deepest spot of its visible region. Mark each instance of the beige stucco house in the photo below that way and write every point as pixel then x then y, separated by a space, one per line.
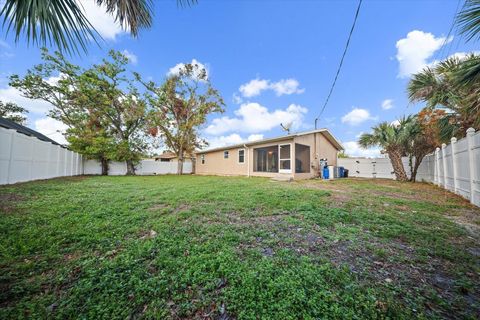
pixel 293 156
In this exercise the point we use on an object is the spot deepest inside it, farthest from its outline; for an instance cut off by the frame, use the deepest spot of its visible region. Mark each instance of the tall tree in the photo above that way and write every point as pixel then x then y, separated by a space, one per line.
pixel 61 83
pixel 112 94
pixel 13 112
pixel 102 109
pixel 391 138
pixel 421 137
pixel 180 107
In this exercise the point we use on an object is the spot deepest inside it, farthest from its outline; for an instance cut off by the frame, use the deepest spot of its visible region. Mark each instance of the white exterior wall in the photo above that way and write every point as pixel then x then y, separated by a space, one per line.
pixel 26 158
pixel 455 167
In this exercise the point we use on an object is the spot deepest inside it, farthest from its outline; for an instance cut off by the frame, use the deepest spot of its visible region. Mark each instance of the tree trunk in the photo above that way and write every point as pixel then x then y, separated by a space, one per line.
pixel 396 160
pixel 418 162
pixel 104 164
pixel 180 162
pixel 194 165
pixel 130 168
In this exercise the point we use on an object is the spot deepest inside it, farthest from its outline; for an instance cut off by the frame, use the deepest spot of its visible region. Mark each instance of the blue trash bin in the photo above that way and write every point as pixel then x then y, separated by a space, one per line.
pixel 342 172
pixel 326 174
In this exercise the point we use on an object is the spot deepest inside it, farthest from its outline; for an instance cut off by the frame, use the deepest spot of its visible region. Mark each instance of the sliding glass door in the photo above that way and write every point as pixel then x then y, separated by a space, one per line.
pixel 265 159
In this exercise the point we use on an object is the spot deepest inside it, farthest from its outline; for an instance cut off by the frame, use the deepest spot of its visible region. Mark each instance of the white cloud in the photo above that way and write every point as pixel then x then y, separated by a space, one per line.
pixel 387 104
pixel 353 149
pixel 51 128
pixel 414 51
pixel 199 66
pixel 255 137
pixel 11 94
pixel 357 116
pixel 283 87
pixel 232 139
pixel 286 86
pixel 253 88
pixel 221 141
pixel 130 56
pixel 103 22
pixel 253 117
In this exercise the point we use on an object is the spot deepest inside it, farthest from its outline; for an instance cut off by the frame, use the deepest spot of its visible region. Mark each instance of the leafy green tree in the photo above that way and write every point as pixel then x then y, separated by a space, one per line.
pixel 180 107
pixel 62 85
pixel 120 106
pixel 13 112
pixel 391 138
pixel 100 106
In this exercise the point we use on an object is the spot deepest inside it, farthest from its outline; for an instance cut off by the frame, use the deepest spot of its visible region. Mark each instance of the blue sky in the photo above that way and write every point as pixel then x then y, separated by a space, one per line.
pixel 274 61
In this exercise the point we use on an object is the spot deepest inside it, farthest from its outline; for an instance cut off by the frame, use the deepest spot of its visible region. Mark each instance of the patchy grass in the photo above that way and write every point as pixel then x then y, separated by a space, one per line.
pixel 196 247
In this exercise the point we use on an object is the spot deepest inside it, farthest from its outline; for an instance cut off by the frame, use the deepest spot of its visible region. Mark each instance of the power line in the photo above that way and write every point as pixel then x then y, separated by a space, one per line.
pixel 452 25
pixel 341 63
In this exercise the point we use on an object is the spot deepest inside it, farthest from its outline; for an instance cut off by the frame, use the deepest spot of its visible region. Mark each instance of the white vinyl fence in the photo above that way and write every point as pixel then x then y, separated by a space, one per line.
pixel 25 158
pixel 455 167
pixel 145 167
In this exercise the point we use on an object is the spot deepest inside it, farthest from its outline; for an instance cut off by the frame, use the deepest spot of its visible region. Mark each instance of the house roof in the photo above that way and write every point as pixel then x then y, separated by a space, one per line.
pixel 5 123
pixel 324 131
pixel 166 155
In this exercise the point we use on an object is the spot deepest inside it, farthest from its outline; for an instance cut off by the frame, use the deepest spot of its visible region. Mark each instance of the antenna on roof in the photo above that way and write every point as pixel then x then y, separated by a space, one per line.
pixel 286 127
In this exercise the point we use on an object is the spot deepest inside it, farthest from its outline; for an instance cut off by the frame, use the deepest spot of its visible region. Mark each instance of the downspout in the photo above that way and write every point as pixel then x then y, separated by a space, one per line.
pixel 317 164
pixel 248 160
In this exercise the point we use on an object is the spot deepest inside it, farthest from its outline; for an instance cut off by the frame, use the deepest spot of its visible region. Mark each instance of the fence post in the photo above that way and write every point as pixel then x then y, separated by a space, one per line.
pixel 454 164
pixel 471 162
pixel 444 166
pixel 9 170
pixel 436 178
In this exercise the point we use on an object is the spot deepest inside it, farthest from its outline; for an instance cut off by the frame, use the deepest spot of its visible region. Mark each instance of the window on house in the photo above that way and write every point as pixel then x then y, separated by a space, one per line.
pixel 164 160
pixel 241 156
pixel 202 159
pixel 225 154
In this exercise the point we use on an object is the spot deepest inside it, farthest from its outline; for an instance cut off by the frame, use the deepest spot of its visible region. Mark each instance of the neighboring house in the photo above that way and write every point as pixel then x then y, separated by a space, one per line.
pixel 293 156
pixel 171 157
pixel 9 124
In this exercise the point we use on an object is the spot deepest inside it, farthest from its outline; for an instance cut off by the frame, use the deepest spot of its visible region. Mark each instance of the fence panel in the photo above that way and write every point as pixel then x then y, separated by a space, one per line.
pixel 25 158
pixel 455 167
pixel 144 167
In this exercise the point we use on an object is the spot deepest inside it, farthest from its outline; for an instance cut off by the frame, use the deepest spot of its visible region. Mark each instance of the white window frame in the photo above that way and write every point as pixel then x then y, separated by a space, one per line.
pixel 244 154
pixel 227 152
pixel 280 159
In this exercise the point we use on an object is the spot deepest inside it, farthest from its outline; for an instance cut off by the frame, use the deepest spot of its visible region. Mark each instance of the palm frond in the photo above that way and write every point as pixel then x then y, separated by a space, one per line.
pixel 469 20
pixel 60 22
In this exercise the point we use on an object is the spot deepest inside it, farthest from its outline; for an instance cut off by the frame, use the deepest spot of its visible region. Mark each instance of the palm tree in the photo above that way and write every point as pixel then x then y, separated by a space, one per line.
pixel 441 87
pixel 391 138
pixel 63 23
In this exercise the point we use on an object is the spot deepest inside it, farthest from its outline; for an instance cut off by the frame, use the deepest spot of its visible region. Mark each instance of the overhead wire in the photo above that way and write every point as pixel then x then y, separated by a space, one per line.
pixel 340 64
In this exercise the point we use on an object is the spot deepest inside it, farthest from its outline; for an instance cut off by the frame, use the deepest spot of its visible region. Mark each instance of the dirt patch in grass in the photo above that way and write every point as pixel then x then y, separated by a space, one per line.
pixel 159 207
pixel 8 202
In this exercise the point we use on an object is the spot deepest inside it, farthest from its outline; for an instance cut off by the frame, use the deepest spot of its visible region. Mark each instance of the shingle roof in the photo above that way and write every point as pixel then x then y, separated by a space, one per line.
pixel 27 131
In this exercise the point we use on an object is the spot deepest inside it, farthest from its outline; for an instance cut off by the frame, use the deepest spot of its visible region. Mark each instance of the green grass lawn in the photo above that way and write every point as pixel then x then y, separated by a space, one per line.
pixel 194 247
